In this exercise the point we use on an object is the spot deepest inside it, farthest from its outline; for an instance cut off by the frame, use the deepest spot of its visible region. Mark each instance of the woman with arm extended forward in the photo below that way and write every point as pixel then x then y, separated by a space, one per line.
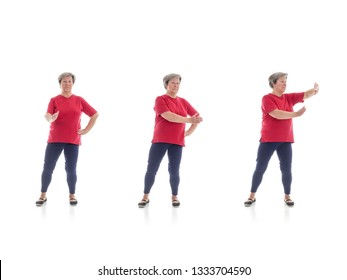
pixel 277 133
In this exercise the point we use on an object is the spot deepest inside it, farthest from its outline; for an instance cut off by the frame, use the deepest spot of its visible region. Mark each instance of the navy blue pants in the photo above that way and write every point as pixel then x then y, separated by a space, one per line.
pixel 156 154
pixel 53 151
pixel 265 152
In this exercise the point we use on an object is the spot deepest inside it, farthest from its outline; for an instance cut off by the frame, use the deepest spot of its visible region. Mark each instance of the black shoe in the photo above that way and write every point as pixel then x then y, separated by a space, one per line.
pixel 176 203
pixel 143 203
pixel 289 202
pixel 41 201
pixel 249 202
pixel 73 201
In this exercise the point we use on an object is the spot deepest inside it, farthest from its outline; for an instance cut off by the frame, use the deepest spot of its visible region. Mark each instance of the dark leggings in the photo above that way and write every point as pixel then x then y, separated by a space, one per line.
pixel 53 151
pixel 265 152
pixel 156 154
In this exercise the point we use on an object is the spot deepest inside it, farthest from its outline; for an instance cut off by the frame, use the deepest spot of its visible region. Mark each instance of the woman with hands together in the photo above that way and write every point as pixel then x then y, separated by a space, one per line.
pixel 172 115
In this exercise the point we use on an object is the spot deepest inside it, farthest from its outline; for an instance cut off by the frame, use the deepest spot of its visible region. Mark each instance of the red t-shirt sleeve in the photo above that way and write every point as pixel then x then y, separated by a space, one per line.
pixel 160 105
pixel 51 107
pixel 189 108
pixel 87 109
pixel 296 97
pixel 268 104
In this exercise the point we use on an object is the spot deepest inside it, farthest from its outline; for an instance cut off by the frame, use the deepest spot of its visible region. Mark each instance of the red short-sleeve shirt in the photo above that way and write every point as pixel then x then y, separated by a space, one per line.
pixel 170 132
pixel 275 130
pixel 65 127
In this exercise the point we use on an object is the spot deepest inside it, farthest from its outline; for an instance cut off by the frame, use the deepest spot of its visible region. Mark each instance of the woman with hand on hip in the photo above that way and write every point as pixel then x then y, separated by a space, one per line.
pixel 64 115
pixel 277 133
pixel 172 114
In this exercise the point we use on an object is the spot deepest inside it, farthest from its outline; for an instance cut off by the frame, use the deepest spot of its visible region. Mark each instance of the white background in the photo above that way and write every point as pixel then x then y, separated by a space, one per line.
pixel 120 51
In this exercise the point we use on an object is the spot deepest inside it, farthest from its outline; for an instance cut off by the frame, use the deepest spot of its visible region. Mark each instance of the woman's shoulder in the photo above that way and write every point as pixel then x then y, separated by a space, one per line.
pixel 268 95
pixel 160 98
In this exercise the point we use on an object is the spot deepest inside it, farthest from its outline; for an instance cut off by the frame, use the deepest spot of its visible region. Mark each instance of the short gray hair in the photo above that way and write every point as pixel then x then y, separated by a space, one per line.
pixel 274 77
pixel 169 77
pixel 66 74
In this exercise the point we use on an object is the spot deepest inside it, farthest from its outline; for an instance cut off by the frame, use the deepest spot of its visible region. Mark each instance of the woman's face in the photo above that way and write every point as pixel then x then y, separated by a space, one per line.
pixel 66 84
pixel 281 84
pixel 173 85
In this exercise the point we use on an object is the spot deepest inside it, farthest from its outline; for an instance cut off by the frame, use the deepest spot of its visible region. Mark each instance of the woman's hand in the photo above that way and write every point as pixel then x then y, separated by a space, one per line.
pixel 311 92
pixel 51 118
pixel 316 87
pixel 195 119
pixel 301 112
pixel 89 126
pixel 187 133
pixel 82 131
pixel 55 116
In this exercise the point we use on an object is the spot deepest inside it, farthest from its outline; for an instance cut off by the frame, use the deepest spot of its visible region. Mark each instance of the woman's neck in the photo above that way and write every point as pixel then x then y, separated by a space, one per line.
pixel 171 94
pixel 66 93
pixel 277 93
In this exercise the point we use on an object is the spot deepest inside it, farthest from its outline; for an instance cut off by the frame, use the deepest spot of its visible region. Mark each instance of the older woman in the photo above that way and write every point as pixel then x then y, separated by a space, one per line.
pixel 277 133
pixel 172 114
pixel 64 115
